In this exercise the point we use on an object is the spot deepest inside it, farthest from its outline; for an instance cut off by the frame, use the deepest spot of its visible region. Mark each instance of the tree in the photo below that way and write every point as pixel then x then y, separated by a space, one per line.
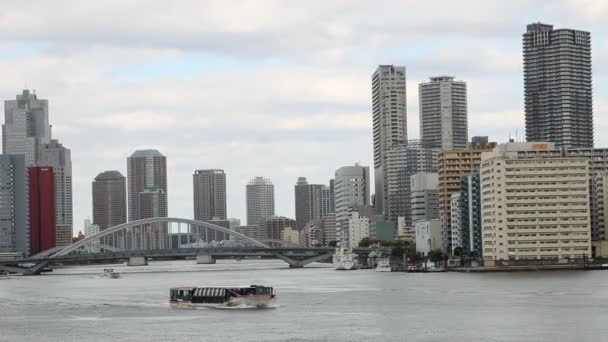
pixel 436 255
pixel 458 251
pixel 365 242
pixel 397 251
pixel 332 243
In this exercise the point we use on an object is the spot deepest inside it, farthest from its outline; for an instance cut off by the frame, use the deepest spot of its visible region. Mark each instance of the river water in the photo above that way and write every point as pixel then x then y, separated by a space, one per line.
pixel 315 303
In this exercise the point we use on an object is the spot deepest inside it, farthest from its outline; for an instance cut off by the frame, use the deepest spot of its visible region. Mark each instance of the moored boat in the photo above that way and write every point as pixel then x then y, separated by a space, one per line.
pixel 344 260
pixel 109 273
pixel 253 296
pixel 384 266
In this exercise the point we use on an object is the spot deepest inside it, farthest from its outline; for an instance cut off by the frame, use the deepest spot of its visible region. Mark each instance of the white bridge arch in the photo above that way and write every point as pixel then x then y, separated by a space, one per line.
pixel 154 232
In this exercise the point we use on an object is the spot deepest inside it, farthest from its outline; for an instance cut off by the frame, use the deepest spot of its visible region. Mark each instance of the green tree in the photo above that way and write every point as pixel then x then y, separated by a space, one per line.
pixel 365 242
pixel 397 251
pixel 436 255
pixel 332 243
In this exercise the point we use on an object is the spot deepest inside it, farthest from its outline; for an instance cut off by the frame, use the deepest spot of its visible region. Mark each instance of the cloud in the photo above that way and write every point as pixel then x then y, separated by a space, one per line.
pixel 263 88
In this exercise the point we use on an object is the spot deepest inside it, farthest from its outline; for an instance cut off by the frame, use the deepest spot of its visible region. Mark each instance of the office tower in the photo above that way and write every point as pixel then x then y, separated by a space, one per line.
pixel 257 232
pixel 557 86
pixel 405 160
pixel 443 113
pixel 534 208
pixel 41 200
pixel 275 226
pixel 260 200
pixel 26 127
pixel 145 169
pixel 312 201
pixel 452 166
pixel 209 191
pixel 109 199
pixel 328 226
pixel 470 216
pixel 55 155
pixel 152 203
pixel 351 189
pixel 326 200
pixel 424 196
pixel 389 109
pixel 14 223
pixel 216 235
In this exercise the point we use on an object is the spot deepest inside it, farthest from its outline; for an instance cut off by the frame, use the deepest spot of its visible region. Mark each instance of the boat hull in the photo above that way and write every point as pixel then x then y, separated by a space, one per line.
pixel 258 302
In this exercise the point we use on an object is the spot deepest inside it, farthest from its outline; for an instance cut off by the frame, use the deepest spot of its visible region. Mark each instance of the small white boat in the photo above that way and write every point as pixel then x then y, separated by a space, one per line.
pixel 109 273
pixel 383 266
pixel 253 296
pixel 344 260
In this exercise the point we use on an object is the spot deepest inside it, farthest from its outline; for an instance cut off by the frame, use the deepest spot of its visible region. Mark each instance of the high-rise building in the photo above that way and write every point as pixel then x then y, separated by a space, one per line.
pixel 455 221
pixel 405 160
pixel 152 203
pixel 260 200
pixel 424 196
pixel 255 231
pixel 351 189
pixel 55 155
pixel 452 166
pixel 328 226
pixel 215 235
pixel 389 109
pixel 109 199
pixel 470 216
pixel 312 201
pixel 26 127
pixel 41 200
pixel 358 228
pixel 534 208
pixel 14 223
pixel 145 169
pixel 443 113
pixel 428 236
pixel 558 86
pixel 275 226
pixel 209 190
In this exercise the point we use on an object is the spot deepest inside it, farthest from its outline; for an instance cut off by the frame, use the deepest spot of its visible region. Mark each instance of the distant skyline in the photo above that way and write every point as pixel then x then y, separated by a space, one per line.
pixel 275 91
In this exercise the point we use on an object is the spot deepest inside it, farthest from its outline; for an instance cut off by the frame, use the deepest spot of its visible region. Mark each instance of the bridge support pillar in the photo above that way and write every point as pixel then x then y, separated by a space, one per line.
pixel 205 259
pixel 137 261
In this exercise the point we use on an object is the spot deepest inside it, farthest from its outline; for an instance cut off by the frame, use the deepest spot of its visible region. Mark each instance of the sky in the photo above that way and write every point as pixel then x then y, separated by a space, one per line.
pixel 279 89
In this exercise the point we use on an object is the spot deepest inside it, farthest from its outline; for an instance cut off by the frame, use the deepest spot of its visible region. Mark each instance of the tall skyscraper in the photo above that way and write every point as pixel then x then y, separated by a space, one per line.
pixel 26 127
pixel 275 226
pixel 209 191
pixel 260 200
pixel 351 189
pixel 152 203
pixel 41 200
pixel 59 158
pixel 109 199
pixel 405 160
pixel 312 201
pixel 14 223
pixel 145 169
pixel 389 108
pixel 558 86
pixel 443 113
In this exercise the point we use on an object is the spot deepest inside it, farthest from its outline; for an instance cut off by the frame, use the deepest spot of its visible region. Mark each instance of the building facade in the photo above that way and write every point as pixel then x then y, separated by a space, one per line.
pixel 358 228
pixel 209 194
pixel 424 196
pixel 558 86
pixel 152 203
pixel 26 127
pixel 14 222
pixel 312 201
pixel 41 200
pixel 260 200
pixel 443 113
pixel 456 221
pixel 276 224
pixel 470 216
pixel 534 208
pixel 55 155
pixel 109 199
pixel 405 160
pixel 145 169
pixel 452 166
pixel 389 111
pixel 351 189
pixel 428 236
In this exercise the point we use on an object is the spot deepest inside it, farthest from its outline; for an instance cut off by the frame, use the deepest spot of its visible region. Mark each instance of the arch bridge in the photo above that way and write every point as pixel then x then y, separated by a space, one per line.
pixel 166 238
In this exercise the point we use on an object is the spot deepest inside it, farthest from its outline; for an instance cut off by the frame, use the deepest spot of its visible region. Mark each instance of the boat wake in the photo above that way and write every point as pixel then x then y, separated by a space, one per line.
pixel 245 307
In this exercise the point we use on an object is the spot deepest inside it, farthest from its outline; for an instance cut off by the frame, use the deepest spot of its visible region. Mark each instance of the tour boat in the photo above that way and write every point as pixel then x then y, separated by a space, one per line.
pixel 253 296
pixel 109 272
pixel 344 260
pixel 383 266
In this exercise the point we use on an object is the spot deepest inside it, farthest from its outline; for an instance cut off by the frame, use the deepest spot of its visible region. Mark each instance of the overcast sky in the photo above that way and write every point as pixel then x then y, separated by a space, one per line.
pixel 264 88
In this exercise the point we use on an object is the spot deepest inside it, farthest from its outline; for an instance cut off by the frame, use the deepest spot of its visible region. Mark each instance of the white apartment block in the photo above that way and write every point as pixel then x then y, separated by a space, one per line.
pixel 358 228
pixel 534 208
pixel 428 236
pixel 456 231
